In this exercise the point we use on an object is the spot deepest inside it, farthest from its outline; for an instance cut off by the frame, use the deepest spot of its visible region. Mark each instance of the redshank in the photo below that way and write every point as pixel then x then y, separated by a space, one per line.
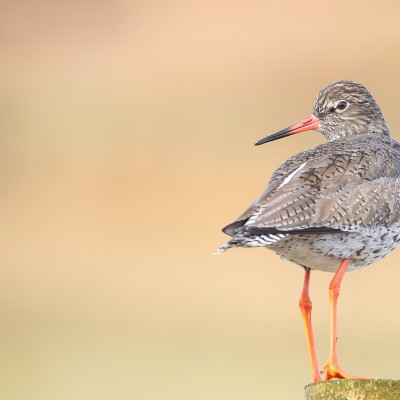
pixel 335 207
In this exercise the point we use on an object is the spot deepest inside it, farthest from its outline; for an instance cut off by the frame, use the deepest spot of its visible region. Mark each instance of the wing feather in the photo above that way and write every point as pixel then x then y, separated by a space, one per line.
pixel 344 185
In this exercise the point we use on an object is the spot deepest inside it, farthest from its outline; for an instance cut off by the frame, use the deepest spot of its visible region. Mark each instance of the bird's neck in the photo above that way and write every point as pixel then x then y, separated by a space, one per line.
pixel 372 129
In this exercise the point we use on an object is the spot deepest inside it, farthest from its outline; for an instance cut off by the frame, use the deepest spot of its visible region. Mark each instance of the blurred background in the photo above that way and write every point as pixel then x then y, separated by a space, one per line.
pixel 126 144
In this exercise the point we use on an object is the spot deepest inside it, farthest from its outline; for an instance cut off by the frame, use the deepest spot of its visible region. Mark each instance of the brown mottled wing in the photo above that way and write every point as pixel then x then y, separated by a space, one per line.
pixel 342 186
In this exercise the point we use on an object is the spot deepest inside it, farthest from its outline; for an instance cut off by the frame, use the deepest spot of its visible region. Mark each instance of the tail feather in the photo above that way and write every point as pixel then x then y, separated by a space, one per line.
pixel 223 248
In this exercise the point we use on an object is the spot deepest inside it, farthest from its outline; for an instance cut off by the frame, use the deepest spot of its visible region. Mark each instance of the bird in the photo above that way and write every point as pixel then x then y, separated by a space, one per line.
pixel 334 207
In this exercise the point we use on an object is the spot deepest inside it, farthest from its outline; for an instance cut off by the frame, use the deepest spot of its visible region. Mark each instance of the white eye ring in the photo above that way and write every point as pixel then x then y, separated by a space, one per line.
pixel 341 105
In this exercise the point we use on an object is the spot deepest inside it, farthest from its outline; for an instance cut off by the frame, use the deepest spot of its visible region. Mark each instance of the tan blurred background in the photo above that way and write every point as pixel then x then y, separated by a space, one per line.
pixel 127 131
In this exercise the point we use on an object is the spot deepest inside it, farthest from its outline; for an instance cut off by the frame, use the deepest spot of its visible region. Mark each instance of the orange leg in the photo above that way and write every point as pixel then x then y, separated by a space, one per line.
pixel 331 368
pixel 305 308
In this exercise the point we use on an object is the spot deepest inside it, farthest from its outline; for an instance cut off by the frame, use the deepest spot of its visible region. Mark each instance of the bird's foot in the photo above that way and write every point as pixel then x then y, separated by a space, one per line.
pixel 333 371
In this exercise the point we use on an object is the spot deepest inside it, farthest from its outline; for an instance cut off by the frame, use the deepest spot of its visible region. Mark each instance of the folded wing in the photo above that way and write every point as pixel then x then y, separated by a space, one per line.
pixel 345 190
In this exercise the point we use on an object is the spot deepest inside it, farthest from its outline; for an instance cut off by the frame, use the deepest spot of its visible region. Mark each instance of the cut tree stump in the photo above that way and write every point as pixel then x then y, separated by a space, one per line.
pixel 354 389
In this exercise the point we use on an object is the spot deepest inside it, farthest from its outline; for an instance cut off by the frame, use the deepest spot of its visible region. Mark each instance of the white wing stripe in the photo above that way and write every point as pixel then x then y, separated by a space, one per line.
pixel 291 175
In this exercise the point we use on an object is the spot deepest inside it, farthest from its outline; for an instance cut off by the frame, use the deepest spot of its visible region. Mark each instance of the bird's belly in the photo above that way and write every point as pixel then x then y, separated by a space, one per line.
pixel 325 252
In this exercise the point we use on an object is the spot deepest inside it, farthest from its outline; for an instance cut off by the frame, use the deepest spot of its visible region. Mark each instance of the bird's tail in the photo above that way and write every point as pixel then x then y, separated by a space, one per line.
pixel 223 248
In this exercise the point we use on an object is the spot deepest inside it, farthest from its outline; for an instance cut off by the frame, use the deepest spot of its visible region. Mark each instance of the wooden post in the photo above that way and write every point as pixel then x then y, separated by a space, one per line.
pixel 354 389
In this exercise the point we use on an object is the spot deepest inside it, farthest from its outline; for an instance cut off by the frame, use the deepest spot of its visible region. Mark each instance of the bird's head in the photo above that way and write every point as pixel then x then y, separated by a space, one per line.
pixel 341 109
pixel 347 108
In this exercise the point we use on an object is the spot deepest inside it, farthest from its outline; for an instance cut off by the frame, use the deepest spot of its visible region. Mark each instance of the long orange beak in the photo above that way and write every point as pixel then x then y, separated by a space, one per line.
pixel 307 124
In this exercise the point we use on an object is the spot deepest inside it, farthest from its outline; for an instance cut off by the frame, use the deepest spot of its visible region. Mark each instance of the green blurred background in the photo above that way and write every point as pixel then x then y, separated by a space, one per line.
pixel 127 131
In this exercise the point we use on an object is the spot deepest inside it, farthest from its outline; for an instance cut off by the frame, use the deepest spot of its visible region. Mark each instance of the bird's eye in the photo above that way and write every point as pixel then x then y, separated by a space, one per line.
pixel 341 105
